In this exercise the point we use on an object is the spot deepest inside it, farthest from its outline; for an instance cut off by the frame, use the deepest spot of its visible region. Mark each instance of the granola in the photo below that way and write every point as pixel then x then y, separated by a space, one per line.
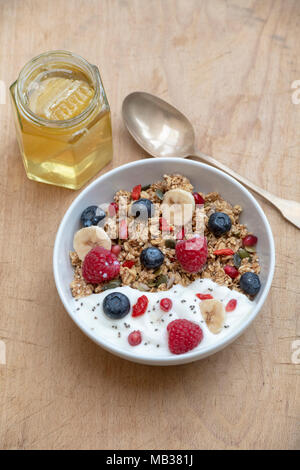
pixel 170 272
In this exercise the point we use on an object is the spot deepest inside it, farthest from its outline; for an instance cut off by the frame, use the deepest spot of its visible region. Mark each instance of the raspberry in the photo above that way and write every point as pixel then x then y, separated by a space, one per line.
pixel 231 305
pixel 192 254
pixel 140 307
pixel 136 192
pixel 249 240
pixel 184 336
pixel 116 249
pixel 231 271
pixel 166 304
pixel 100 265
pixel 198 199
pixel 135 338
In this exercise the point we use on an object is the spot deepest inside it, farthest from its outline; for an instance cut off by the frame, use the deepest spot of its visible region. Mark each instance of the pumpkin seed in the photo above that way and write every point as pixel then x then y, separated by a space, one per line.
pixel 170 243
pixel 250 249
pixel 147 186
pixel 243 253
pixel 112 284
pixel 159 194
pixel 143 287
pixel 161 280
pixel 237 260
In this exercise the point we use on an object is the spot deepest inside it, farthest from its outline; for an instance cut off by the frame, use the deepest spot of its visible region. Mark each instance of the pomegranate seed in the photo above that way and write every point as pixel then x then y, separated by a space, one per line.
pixel 198 199
pixel 140 307
pixel 135 338
pixel 113 209
pixel 231 305
pixel 204 296
pixel 224 252
pixel 116 249
pixel 249 240
pixel 128 264
pixel 166 304
pixel 123 231
pixel 180 234
pixel 231 271
pixel 136 192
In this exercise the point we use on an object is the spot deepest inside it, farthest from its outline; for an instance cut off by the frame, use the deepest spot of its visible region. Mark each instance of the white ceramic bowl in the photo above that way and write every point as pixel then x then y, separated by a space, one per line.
pixel 205 179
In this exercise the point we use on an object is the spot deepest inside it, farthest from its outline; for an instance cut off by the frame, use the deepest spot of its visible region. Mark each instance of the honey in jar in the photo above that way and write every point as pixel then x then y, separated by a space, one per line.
pixel 62 119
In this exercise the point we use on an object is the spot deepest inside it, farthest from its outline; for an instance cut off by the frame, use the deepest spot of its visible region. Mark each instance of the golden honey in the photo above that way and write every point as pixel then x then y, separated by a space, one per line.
pixel 62 119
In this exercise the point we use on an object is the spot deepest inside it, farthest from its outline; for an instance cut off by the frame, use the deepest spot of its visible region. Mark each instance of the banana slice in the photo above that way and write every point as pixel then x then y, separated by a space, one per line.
pixel 178 206
pixel 213 313
pixel 89 237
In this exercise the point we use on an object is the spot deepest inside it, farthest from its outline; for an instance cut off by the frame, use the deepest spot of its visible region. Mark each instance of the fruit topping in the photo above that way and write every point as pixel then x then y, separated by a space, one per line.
pixel 224 252
pixel 249 240
pixel 135 338
pixel 213 313
pixel 198 199
pixel 128 264
pixel 116 305
pixel 88 237
pixel 204 296
pixel 113 209
pixel 231 305
pixel 166 304
pixel 92 215
pixel 178 206
pixel 152 257
pixel 143 208
pixel 219 223
pixel 250 283
pixel 183 336
pixel 116 249
pixel 140 307
pixel 231 271
pixel 192 254
pixel 100 265
pixel 136 192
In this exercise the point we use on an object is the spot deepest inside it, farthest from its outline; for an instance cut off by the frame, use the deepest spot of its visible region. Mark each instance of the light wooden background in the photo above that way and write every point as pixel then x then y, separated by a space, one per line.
pixel 229 66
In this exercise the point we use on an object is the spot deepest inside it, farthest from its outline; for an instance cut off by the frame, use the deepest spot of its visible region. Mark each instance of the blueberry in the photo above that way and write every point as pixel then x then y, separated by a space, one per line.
pixel 143 208
pixel 152 257
pixel 92 216
pixel 116 305
pixel 219 223
pixel 250 283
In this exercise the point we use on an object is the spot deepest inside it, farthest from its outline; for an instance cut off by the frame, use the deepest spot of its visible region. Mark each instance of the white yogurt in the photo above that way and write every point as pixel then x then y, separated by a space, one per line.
pixel 153 324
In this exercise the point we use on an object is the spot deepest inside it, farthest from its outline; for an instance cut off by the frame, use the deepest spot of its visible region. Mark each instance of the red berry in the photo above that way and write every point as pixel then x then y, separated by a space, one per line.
pixel 231 271
pixel 116 249
pixel 224 252
pixel 198 198
pixel 166 304
pixel 204 296
pixel 100 265
pixel 128 264
pixel 249 240
pixel 113 209
pixel 123 229
pixel 135 338
pixel 136 192
pixel 140 307
pixel 192 254
pixel 184 336
pixel 231 305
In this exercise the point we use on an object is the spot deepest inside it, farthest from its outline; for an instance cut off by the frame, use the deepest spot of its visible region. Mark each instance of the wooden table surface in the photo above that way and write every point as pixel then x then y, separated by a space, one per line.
pixel 229 66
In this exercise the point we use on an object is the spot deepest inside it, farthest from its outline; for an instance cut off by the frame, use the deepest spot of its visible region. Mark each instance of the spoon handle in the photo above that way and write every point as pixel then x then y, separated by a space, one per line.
pixel 289 209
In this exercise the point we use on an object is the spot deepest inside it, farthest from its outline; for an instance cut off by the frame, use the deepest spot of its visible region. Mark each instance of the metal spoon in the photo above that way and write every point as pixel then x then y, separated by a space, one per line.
pixel 163 131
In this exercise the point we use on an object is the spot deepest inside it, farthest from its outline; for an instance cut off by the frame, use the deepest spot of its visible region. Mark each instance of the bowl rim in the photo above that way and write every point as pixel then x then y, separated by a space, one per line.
pixel 193 355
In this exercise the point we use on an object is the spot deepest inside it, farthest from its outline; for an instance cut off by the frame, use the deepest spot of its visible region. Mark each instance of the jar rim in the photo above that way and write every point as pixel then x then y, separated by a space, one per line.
pixel 29 68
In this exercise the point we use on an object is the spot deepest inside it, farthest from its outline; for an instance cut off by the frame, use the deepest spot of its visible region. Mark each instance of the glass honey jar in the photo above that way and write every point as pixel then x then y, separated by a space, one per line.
pixel 62 119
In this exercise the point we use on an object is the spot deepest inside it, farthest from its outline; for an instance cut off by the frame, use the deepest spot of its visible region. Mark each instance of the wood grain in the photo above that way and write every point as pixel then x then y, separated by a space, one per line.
pixel 229 66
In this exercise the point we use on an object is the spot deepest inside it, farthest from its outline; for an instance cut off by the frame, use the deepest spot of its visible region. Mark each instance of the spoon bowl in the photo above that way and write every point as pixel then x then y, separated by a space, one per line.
pixel 158 127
